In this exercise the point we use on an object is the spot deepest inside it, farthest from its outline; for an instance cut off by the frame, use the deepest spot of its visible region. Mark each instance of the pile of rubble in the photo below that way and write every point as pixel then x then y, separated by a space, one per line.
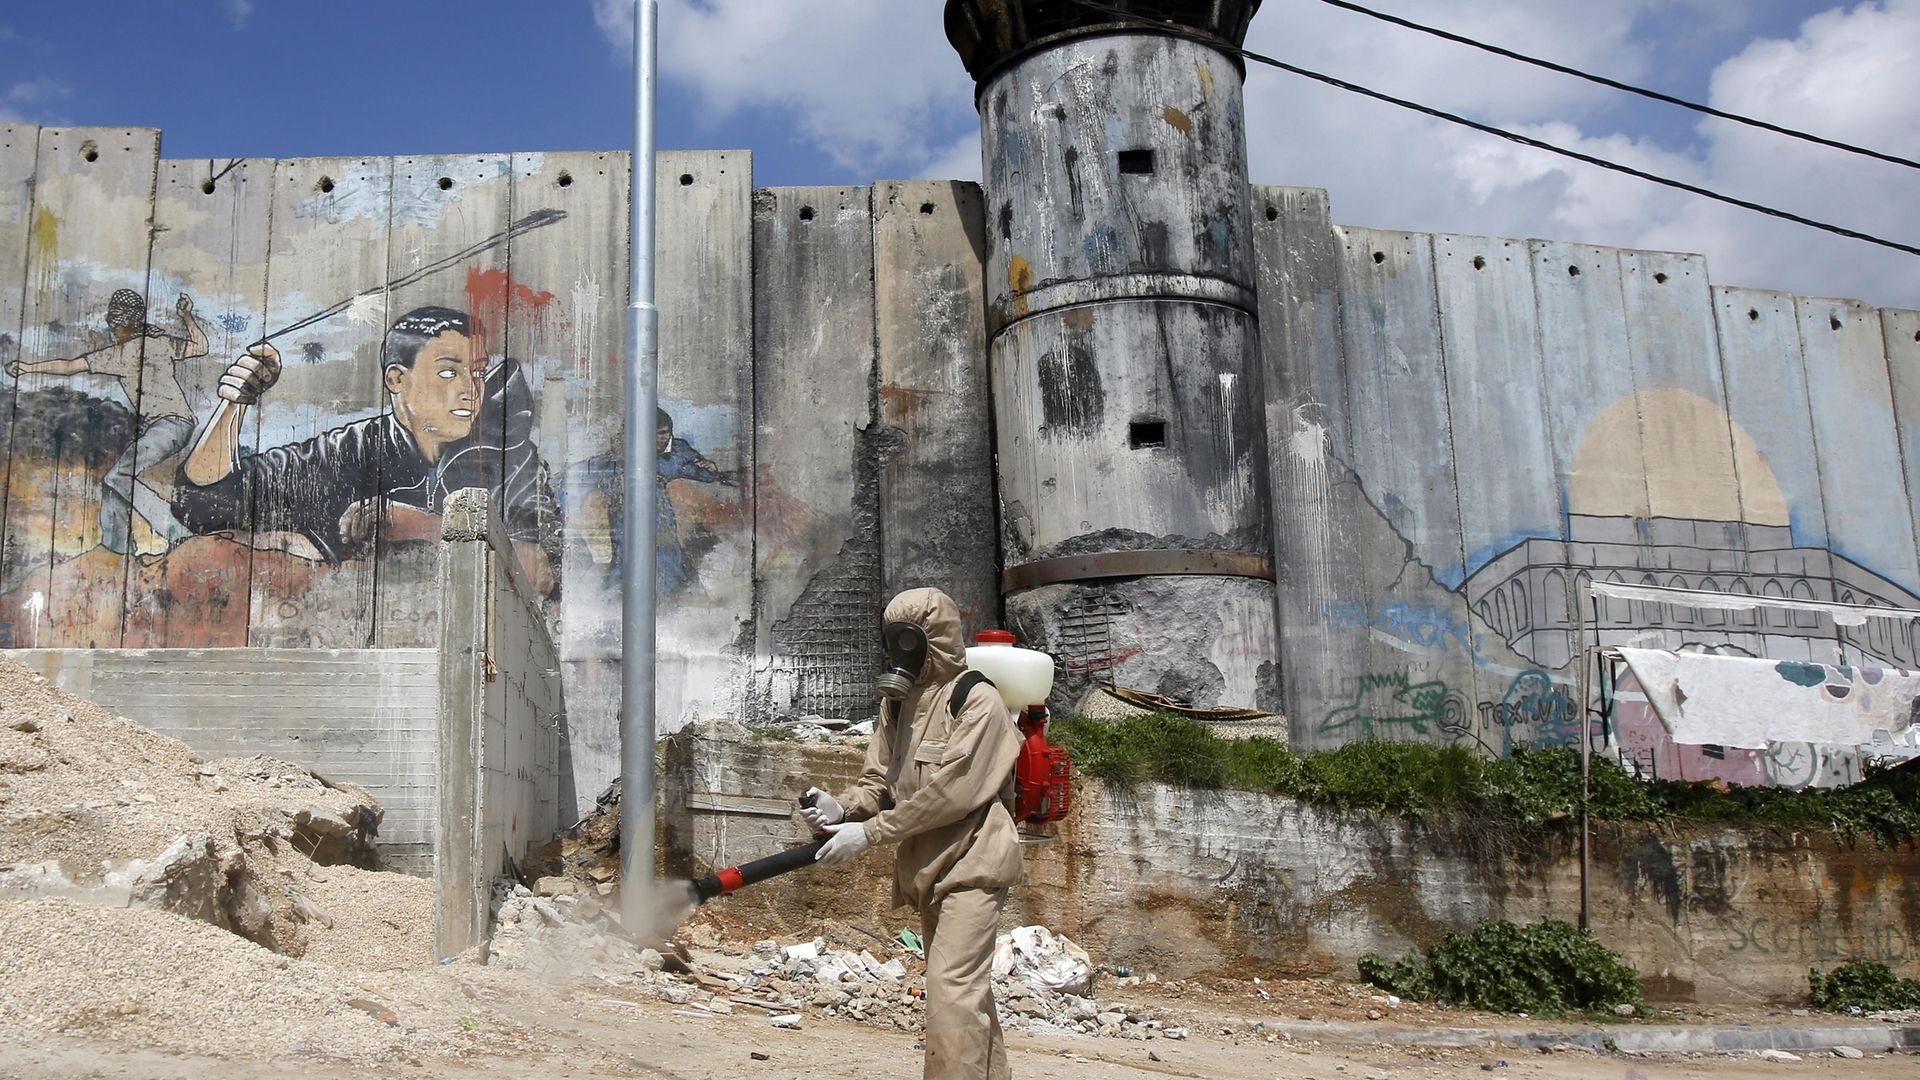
pixel 1042 982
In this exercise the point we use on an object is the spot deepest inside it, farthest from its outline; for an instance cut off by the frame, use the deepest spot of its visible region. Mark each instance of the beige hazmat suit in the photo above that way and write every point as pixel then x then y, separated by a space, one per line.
pixel 940 786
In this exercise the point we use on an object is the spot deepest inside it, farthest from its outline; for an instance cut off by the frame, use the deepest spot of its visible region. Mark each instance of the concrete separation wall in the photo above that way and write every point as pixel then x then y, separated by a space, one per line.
pixel 1193 882
pixel 501 714
pixel 360 716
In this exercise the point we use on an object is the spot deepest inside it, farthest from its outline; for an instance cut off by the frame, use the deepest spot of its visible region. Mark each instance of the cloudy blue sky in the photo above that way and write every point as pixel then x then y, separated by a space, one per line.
pixel 847 91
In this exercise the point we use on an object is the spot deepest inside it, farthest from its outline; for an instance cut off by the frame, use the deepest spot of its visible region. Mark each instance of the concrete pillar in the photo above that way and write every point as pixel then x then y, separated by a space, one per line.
pixel 1124 340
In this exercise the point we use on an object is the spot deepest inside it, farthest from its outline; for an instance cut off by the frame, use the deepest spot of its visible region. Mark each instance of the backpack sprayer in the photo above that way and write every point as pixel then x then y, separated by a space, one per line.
pixel 1042 774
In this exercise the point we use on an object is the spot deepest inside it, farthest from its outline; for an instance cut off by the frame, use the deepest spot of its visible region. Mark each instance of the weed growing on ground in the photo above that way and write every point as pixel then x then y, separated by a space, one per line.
pixel 1532 790
pixel 1544 969
pixel 1867 985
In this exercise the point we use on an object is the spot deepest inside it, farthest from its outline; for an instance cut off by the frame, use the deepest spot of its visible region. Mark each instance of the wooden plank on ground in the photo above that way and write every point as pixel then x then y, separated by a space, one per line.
pixel 817 553
pixel 703 553
pixel 447 251
pixel 90 236
pixel 936 478
pixel 1317 565
pixel 572 355
pixel 314 587
pixel 210 246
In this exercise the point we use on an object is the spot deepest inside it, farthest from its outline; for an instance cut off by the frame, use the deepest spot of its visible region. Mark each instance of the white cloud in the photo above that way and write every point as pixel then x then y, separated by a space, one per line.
pixel 871 84
pixel 1848 73
pixel 31 100
pixel 238 10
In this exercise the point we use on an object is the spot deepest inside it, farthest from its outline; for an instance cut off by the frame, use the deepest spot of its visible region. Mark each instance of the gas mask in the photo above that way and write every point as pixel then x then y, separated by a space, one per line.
pixel 905 645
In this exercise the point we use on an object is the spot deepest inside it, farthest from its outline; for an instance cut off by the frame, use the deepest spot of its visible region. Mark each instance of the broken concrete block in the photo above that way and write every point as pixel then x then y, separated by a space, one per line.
pixel 553 886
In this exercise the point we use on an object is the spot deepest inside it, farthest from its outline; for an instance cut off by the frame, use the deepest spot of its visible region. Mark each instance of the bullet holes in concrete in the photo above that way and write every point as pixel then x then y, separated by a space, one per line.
pixel 1138 162
pixel 1379 257
pixel 1147 434
pixel 926 209
pixel 1573 270
pixel 446 183
pixel 1479 262
pixel 686 179
pixel 1660 279
pixel 806 213
pixel 1833 322
pixel 565 179
pixel 325 185
pixel 90 150
pixel 1753 314
pixel 1273 214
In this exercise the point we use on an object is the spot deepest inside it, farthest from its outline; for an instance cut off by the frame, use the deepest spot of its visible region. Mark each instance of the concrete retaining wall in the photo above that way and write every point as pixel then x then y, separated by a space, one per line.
pixel 360 716
pixel 501 717
pixel 1190 882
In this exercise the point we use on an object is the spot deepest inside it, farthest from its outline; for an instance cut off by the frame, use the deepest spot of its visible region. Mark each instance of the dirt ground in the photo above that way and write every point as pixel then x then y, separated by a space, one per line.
pixel 583 1032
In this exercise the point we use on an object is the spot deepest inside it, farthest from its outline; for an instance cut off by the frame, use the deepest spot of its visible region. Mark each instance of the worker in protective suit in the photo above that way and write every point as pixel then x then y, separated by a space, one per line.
pixel 938 781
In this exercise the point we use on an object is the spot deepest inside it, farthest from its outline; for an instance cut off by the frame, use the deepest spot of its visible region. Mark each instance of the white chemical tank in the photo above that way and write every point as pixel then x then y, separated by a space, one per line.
pixel 1023 676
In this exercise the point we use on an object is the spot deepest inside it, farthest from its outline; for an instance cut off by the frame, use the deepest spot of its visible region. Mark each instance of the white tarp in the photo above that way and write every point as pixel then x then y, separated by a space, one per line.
pixel 1738 701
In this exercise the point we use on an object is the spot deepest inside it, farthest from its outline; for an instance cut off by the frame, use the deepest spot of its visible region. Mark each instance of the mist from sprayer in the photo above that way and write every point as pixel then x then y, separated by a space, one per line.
pixel 652 910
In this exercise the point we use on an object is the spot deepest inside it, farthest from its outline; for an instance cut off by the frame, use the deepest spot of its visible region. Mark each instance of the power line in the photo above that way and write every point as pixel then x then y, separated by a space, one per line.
pixel 1510 136
pixel 1628 87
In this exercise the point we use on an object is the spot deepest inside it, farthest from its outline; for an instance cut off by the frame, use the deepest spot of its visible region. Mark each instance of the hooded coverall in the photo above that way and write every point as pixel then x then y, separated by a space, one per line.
pixel 940 786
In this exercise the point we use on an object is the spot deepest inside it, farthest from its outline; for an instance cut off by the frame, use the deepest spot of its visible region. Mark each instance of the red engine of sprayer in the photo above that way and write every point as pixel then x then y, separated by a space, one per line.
pixel 1043 775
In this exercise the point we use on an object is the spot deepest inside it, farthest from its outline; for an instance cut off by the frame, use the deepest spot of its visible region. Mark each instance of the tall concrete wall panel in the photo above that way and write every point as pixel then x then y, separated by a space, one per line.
pixel 19 152
pixel 816 526
pixel 1321 624
pixel 937 507
pixel 90 235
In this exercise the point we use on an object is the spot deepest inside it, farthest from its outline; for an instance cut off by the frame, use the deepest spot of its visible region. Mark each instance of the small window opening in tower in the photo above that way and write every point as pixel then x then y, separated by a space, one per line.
pixel 1147 434
pixel 1137 162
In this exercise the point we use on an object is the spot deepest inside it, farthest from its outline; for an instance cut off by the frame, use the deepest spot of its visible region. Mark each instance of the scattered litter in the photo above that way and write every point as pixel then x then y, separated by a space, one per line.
pixel 788 1021
pixel 1037 955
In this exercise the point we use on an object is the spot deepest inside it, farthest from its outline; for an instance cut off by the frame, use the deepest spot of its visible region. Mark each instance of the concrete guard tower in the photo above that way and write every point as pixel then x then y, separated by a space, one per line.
pixel 1124 342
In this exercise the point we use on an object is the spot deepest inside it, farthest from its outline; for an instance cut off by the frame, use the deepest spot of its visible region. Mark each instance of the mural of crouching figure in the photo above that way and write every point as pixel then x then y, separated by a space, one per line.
pixel 453 424
pixel 142 357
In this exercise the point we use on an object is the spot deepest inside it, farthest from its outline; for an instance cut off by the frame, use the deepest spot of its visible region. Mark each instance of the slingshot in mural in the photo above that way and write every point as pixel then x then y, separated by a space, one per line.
pixel 141 357
pixel 452 423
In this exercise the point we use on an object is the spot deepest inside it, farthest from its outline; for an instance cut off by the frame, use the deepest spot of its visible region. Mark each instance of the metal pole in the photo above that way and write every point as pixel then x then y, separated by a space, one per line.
pixel 637 562
pixel 1581 596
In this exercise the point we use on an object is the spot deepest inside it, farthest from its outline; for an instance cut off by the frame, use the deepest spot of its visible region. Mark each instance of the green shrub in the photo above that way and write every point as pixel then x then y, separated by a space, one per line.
pixel 1533 789
pixel 1867 985
pixel 1547 968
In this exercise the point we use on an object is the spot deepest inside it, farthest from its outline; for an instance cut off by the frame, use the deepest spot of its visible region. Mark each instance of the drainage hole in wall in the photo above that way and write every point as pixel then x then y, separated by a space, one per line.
pixel 926 209
pixel 1146 434
pixel 566 179
pixel 686 179
pixel 1136 162
pixel 325 185
pixel 806 213
pixel 1379 257
pixel 1573 271
pixel 446 183
pixel 1479 262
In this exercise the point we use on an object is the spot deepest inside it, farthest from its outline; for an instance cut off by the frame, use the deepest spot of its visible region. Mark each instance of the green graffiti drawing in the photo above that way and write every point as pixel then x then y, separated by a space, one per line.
pixel 1386 701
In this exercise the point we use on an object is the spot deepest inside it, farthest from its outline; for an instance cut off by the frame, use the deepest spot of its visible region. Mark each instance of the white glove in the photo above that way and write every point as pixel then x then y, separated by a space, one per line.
pixel 848 842
pixel 826 810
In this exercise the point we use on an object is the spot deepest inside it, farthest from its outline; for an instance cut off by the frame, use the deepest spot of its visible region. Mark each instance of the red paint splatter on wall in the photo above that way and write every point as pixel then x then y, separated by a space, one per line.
pixel 494 298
